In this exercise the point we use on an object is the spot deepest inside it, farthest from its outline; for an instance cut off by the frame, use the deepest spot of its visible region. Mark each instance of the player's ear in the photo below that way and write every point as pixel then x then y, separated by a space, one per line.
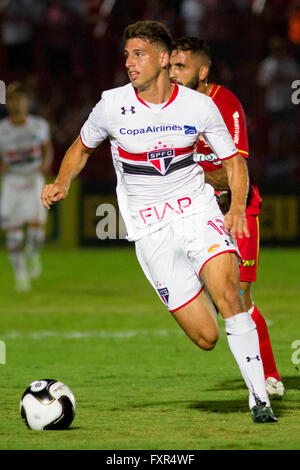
pixel 164 59
pixel 203 72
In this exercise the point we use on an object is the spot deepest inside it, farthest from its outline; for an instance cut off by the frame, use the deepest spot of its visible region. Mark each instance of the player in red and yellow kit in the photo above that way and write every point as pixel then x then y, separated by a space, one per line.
pixel 189 66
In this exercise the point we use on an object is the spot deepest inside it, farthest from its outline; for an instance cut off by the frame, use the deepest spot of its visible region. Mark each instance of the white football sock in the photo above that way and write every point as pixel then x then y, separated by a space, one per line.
pixel 35 240
pixel 17 260
pixel 14 245
pixel 244 345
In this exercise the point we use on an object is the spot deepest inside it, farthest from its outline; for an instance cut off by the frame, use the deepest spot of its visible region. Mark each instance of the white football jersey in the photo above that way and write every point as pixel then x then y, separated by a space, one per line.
pixel 152 149
pixel 20 146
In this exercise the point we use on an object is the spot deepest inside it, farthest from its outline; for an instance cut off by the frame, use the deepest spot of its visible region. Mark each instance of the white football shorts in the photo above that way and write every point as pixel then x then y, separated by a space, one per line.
pixel 173 257
pixel 21 200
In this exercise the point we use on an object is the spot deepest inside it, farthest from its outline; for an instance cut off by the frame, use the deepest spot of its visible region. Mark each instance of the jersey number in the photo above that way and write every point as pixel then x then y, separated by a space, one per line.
pixel 220 228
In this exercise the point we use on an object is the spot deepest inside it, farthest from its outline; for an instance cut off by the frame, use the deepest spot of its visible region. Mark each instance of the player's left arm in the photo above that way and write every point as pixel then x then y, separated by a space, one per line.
pixel 238 180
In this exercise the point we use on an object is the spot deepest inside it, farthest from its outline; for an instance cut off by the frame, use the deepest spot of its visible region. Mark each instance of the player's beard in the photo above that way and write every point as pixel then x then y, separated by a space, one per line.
pixel 193 83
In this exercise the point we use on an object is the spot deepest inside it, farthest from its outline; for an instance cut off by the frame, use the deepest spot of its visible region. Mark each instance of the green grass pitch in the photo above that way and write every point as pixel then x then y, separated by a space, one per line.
pixel 93 322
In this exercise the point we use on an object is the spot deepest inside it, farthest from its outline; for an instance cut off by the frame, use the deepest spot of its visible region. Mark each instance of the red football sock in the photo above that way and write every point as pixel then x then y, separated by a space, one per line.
pixel 266 352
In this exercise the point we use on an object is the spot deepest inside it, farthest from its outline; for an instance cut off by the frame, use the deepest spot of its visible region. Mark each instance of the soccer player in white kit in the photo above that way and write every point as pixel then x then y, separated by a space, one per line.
pixel 183 243
pixel 26 154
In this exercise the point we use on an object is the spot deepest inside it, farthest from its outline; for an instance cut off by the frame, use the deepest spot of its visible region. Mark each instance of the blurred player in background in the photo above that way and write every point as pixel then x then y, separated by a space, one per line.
pixel 26 155
pixel 169 211
pixel 189 66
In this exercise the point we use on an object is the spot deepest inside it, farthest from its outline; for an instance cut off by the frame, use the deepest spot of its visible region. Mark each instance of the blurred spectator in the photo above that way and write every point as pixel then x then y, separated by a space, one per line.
pixel 18 30
pixel 192 14
pixel 58 38
pixel 219 22
pixel 156 10
pixel 258 6
pixel 242 5
pixel 104 42
pixel 76 7
pixel 275 74
pixel 102 13
pixel 281 165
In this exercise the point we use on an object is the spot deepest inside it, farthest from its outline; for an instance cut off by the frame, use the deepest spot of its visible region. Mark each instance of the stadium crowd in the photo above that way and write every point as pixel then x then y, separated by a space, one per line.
pixel 68 51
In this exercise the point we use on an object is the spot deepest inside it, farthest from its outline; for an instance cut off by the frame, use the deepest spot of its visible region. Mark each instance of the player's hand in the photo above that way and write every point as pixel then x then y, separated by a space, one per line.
pixel 52 193
pixel 236 223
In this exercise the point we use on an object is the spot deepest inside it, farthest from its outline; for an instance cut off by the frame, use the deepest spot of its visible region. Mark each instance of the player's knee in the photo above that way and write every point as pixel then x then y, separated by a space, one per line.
pixel 35 238
pixel 205 345
pixel 208 342
pixel 232 297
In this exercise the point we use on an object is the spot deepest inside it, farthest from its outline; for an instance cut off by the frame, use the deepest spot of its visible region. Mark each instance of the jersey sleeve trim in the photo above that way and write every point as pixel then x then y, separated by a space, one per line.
pixel 244 152
pixel 89 148
pixel 227 158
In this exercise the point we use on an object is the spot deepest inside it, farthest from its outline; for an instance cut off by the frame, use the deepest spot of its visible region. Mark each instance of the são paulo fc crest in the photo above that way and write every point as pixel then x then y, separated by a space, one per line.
pixel 164 293
pixel 161 159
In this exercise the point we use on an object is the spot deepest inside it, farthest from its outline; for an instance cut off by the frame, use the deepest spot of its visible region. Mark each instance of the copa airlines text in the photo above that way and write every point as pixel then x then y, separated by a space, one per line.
pixel 151 129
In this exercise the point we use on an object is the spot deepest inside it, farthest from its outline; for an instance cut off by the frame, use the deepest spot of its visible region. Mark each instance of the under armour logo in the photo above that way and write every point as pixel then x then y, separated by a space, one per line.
pixel 227 242
pixel 124 110
pixel 252 358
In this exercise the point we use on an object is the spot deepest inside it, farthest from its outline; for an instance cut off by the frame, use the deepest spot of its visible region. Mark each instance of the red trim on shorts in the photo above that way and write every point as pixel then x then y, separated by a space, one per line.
pixel 217 254
pixel 189 301
pixel 89 148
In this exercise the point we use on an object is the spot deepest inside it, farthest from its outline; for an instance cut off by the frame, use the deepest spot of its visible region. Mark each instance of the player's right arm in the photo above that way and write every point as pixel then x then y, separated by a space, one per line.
pixel 73 162
pixel 218 137
pixel 234 117
pixel 218 179
pixel 93 132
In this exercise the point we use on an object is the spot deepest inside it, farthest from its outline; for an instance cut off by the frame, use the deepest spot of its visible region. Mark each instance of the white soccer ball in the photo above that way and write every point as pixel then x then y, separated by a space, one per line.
pixel 47 404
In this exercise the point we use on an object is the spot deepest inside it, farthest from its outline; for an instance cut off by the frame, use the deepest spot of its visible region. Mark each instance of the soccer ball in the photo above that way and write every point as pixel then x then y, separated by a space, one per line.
pixel 47 404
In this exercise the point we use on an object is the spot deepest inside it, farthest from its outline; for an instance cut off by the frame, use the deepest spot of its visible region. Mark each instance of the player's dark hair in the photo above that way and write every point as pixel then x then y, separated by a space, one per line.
pixel 152 31
pixel 195 45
